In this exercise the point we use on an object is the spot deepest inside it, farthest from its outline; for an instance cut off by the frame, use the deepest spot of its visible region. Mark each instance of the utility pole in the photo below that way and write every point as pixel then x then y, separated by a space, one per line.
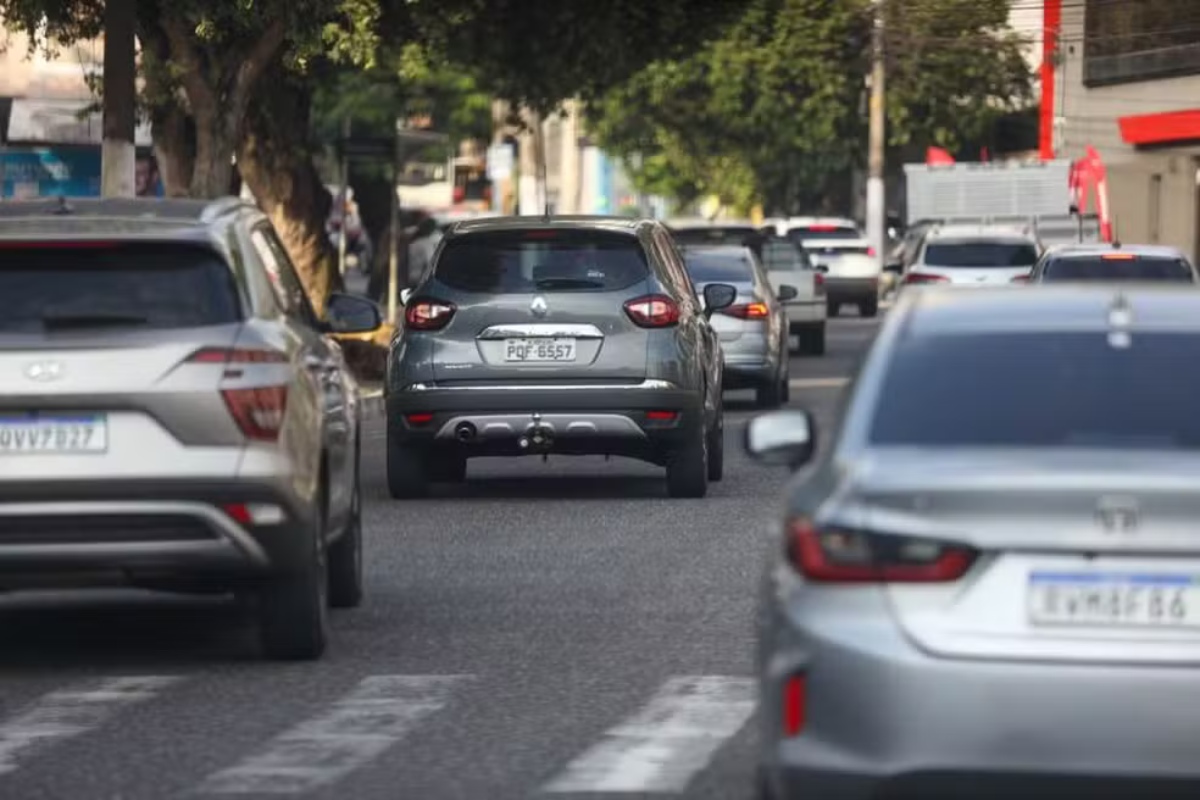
pixel 118 157
pixel 876 211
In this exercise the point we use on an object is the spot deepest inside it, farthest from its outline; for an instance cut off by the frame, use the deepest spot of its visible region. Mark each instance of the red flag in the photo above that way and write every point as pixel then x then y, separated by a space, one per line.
pixel 936 156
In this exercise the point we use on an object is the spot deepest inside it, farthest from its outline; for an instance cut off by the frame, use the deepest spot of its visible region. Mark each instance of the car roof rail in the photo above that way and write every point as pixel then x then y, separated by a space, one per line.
pixel 222 206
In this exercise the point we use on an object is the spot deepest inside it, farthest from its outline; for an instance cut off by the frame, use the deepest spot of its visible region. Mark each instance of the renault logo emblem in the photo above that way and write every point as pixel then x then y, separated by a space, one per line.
pixel 44 371
pixel 538 306
pixel 1117 514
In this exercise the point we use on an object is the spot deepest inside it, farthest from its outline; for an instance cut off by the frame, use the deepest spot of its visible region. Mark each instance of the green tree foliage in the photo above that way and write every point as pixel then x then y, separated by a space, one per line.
pixel 774 110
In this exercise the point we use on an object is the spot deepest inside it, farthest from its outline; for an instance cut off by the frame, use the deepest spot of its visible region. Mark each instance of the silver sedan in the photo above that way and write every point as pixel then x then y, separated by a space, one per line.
pixel 989 584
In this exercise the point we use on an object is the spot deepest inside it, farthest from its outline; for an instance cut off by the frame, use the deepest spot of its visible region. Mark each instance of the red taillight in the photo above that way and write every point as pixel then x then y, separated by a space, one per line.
pixel 841 556
pixel 819 284
pixel 871 252
pixel 229 355
pixel 747 311
pixel 427 315
pixel 821 228
pixel 460 194
pixel 793 705
pixel 921 277
pixel 420 418
pixel 239 513
pixel 1021 279
pixel 258 411
pixel 661 416
pixel 653 311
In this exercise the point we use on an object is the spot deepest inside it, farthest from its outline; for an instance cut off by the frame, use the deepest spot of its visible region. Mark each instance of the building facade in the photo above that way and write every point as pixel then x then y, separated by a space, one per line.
pixel 1124 78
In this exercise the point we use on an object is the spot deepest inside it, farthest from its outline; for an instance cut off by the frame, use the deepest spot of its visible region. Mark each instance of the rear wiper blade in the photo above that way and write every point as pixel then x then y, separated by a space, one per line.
pixel 71 321
pixel 568 283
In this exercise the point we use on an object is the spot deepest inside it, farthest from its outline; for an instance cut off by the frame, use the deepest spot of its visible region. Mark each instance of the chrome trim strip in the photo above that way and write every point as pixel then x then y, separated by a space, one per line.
pixel 547 330
pixel 225 528
pixel 648 385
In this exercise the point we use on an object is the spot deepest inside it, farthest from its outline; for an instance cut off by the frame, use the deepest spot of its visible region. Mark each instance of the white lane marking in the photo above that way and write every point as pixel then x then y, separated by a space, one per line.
pixel 74 711
pixel 358 728
pixel 817 383
pixel 665 744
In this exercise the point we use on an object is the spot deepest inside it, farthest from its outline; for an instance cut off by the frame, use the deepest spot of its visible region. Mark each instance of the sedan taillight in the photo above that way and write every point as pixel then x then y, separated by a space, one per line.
pixel 747 311
pixel 425 314
pixel 653 311
pixel 819 284
pixel 835 555
pixel 258 411
pixel 920 278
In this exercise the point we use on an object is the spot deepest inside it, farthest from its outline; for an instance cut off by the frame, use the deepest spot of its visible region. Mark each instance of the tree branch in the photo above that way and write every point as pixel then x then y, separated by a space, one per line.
pixel 257 60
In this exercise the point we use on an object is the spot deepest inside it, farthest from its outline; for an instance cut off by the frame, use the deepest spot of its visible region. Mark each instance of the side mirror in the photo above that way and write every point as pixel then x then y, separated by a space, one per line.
pixel 788 293
pixel 782 438
pixel 718 296
pixel 348 313
pixel 405 296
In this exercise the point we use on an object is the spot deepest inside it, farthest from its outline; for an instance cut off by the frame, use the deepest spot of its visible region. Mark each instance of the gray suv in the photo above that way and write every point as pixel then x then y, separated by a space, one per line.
pixel 565 335
pixel 172 413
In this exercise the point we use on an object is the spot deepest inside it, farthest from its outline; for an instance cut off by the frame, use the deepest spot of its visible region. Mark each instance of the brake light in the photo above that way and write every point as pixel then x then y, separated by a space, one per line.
pixel 1118 256
pixel 822 228
pixel 258 411
pixel 747 311
pixel 661 416
pixel 921 277
pixel 233 355
pixel 819 284
pixel 871 252
pixel 419 418
pixel 653 311
pixel 842 556
pixel 427 315
pixel 794 705
pixel 1021 279
pixel 541 234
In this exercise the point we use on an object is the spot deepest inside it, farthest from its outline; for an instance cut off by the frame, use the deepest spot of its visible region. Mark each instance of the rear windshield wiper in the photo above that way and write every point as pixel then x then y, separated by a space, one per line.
pixel 58 322
pixel 568 283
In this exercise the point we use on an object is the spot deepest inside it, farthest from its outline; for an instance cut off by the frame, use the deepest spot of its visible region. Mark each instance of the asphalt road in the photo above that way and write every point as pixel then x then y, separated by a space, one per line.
pixel 555 628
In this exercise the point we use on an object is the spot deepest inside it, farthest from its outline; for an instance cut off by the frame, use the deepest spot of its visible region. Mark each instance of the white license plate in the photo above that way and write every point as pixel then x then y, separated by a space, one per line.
pixel 53 433
pixel 1113 599
pixel 539 349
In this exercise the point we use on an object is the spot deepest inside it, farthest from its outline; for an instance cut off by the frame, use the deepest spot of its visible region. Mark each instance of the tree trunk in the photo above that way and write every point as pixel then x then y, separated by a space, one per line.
pixel 212 171
pixel 276 161
pixel 175 147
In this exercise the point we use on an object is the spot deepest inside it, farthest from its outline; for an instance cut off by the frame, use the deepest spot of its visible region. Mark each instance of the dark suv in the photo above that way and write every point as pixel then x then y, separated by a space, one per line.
pixel 566 335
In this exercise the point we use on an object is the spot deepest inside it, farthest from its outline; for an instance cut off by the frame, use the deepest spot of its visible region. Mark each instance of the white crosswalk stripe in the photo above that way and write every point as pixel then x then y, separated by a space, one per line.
pixel 355 730
pixel 71 712
pixel 665 744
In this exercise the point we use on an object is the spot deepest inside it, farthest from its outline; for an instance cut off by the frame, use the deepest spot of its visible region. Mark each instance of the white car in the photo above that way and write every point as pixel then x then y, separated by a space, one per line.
pixel 787 264
pixel 975 256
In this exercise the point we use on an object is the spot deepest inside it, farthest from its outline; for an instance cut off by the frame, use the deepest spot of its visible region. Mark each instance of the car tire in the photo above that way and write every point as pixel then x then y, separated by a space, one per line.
pixel 812 341
pixel 770 395
pixel 407 471
pixel 716 446
pixel 448 467
pixel 687 466
pixel 345 559
pixel 868 308
pixel 293 610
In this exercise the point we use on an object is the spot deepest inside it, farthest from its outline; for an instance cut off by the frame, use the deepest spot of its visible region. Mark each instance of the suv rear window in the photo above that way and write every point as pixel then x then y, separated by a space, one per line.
pixel 782 255
pixel 1040 390
pixel 1098 268
pixel 980 255
pixel 120 285
pixel 719 268
pixel 541 260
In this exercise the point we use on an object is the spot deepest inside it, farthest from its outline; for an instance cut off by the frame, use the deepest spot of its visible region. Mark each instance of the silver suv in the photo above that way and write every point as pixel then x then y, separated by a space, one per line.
pixel 567 335
pixel 172 415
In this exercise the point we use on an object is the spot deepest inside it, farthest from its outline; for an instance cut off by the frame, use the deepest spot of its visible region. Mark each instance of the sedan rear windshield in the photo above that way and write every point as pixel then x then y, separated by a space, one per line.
pixel 69 286
pixel 719 268
pixel 980 255
pixel 541 260
pixel 782 255
pixel 1040 390
pixel 1098 268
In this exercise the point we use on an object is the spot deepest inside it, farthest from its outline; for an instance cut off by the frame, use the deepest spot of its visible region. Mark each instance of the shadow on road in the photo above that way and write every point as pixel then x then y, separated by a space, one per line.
pixel 67 630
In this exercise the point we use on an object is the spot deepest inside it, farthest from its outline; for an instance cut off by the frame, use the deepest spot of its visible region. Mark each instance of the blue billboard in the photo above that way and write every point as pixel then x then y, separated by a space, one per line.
pixel 66 172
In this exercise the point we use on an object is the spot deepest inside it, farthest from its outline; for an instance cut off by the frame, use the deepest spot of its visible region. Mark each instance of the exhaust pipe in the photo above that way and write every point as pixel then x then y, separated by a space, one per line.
pixel 465 431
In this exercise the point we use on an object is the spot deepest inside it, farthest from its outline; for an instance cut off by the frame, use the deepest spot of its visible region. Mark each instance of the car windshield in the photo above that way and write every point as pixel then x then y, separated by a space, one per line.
pixel 1133 268
pixel 719 267
pixel 980 254
pixel 782 255
pixel 541 260
pixel 1040 390
pixel 114 285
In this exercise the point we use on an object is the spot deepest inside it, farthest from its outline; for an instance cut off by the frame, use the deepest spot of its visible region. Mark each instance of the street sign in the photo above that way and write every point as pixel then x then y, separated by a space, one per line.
pixel 500 162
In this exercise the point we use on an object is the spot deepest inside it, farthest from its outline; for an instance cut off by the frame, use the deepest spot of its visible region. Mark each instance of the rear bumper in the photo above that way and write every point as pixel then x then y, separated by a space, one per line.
pixel 133 529
pixel 884 719
pixel 808 314
pixel 851 290
pixel 581 420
